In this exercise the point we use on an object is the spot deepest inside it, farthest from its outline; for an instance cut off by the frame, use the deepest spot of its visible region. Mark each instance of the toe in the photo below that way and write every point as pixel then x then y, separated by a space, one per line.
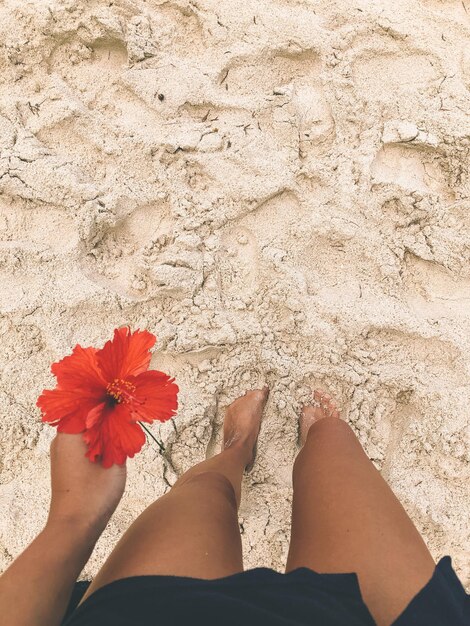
pixel 326 399
pixel 260 394
pixel 321 396
pixel 326 402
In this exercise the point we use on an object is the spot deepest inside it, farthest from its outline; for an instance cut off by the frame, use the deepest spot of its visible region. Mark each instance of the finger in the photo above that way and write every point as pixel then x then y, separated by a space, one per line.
pixel 69 443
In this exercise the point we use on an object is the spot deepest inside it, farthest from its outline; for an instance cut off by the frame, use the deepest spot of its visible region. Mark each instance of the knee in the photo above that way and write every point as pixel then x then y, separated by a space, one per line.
pixel 213 484
pixel 329 434
pixel 330 428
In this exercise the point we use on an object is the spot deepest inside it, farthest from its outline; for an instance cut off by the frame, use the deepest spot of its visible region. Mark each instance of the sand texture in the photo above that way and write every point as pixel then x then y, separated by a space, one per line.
pixel 279 190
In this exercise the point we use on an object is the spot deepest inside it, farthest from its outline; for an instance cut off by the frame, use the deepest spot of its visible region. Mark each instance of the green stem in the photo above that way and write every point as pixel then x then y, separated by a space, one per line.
pixel 160 444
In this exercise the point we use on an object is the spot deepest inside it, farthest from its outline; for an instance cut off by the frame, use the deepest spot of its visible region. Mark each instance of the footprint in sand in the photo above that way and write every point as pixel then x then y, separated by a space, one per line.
pixel 168 26
pixel 288 94
pixel 245 257
pixel 408 360
pixel 256 77
pixel 36 227
pixel 89 69
pixel 117 260
pixel 377 75
pixel 417 168
pixel 432 291
pixel 98 74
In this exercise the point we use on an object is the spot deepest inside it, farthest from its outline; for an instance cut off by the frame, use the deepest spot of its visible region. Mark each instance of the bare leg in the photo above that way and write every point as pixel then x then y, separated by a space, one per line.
pixel 193 529
pixel 345 518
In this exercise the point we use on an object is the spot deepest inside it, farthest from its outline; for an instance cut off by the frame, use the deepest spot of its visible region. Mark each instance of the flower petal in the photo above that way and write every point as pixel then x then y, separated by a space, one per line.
pixel 79 370
pixel 127 354
pixel 156 395
pixel 113 437
pixel 66 409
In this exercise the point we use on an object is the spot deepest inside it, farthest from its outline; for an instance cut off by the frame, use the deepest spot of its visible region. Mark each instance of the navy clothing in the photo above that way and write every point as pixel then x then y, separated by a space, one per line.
pixel 262 596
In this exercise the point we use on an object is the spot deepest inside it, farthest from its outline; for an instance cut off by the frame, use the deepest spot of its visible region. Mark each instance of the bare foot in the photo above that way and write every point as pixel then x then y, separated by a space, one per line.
pixel 242 422
pixel 324 407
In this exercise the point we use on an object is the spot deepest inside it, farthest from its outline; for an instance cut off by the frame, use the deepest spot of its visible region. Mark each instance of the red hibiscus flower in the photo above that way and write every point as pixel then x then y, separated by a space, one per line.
pixel 104 393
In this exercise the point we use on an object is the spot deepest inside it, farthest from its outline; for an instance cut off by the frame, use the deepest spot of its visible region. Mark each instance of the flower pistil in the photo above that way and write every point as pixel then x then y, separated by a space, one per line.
pixel 121 390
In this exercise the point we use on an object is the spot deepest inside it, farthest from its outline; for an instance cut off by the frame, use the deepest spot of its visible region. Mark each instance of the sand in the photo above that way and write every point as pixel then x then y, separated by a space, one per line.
pixel 279 190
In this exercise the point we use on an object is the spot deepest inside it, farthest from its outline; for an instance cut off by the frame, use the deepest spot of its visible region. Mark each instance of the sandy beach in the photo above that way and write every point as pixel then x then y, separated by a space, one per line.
pixel 279 191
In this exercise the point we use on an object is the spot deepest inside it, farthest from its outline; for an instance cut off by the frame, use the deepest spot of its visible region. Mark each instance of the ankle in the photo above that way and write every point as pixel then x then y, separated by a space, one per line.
pixel 240 446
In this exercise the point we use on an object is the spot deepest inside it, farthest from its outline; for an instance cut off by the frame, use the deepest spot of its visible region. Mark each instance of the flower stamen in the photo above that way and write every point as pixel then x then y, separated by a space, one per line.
pixel 121 390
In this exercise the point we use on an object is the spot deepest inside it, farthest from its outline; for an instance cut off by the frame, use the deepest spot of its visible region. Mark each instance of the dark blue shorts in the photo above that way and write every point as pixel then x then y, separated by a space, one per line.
pixel 263 596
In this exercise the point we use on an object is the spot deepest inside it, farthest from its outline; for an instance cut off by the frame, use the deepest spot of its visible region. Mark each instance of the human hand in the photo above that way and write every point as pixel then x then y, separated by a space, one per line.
pixel 83 493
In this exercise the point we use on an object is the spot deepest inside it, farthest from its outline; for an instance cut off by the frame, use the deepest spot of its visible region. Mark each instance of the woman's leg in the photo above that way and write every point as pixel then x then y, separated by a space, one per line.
pixel 193 529
pixel 345 518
